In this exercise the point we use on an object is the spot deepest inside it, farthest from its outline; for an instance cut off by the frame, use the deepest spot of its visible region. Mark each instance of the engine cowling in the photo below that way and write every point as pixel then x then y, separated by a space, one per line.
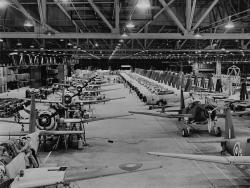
pixel 79 89
pixel 46 120
pixel 68 98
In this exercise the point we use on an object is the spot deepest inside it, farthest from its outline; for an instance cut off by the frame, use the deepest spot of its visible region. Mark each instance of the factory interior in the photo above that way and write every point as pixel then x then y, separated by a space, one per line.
pixel 124 93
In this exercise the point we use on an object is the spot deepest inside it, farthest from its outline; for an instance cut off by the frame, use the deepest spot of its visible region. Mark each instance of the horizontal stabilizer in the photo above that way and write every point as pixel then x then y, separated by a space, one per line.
pixel 219 140
pixel 163 115
pixel 230 160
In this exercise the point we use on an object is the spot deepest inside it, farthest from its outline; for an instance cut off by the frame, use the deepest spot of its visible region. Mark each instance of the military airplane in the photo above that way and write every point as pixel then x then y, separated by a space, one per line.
pixel 195 116
pixel 13 172
pixel 239 147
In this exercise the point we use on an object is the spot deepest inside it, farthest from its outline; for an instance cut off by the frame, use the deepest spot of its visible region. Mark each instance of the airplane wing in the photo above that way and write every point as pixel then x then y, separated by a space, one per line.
pixel 165 106
pixel 77 120
pixel 23 121
pixel 163 115
pixel 101 90
pixel 41 132
pixel 228 160
pixel 60 132
pixel 96 101
pixel 219 140
pixel 41 100
pixel 242 113
pixel 41 177
pixel 20 133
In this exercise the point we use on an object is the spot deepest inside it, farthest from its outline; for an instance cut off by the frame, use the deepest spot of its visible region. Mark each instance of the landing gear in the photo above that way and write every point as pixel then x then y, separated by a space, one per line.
pixel 218 132
pixel 185 132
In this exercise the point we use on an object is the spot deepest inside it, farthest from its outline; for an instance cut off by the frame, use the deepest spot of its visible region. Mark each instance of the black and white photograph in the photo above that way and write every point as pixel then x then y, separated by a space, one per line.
pixel 124 93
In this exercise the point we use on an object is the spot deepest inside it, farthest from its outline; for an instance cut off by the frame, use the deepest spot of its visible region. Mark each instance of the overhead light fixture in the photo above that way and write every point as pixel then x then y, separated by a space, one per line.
pixel 28 23
pixel 230 24
pixel 42 48
pixel 124 34
pixel 143 4
pixel 69 44
pixel 3 4
pixel 130 25
pixel 61 40
pixel 1 40
pixel 121 40
pixel 75 47
pixel 19 44
pixel 197 35
pixel 96 44
pixel 32 46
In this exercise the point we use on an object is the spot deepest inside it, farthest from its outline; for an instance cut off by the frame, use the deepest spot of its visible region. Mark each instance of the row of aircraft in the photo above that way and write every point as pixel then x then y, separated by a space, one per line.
pixel 197 115
pixel 13 163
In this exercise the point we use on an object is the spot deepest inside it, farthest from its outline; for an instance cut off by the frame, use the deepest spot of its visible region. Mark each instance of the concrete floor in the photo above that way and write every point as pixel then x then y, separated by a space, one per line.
pixel 135 136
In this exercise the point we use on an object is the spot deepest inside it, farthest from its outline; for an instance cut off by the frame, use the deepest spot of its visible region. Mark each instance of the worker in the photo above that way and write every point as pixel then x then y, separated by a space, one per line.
pixel 218 86
pixel 188 84
pixel 4 155
pixel 203 82
pixel 243 91
pixel 30 160
pixel 210 83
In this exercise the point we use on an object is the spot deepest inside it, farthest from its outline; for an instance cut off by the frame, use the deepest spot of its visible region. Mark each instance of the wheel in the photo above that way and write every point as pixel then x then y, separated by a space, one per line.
pixel 218 132
pixel 184 132
pixel 160 103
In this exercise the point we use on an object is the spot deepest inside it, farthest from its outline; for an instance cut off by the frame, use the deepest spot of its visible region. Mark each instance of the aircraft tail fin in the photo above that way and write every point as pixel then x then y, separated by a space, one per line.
pixel 182 105
pixel 229 127
pixel 32 125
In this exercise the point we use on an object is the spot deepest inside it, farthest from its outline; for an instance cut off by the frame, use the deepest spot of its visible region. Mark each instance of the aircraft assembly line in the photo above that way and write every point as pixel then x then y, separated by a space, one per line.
pixel 76 156
pixel 124 93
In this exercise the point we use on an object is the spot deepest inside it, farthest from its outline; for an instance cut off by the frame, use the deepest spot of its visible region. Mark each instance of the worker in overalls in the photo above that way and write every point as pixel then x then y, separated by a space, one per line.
pixel 30 161
pixel 243 91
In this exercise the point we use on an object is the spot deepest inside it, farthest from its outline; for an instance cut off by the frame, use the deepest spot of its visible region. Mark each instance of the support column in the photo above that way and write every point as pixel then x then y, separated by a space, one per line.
pixel 218 68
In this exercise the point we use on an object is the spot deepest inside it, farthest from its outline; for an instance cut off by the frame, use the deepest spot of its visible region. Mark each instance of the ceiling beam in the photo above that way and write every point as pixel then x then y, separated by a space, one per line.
pixel 191 16
pixel 172 51
pixel 155 16
pixel 69 17
pixel 173 16
pixel 205 15
pixel 65 13
pixel 27 14
pixel 42 7
pixel 178 36
pixel 188 12
pixel 117 16
pixel 101 15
